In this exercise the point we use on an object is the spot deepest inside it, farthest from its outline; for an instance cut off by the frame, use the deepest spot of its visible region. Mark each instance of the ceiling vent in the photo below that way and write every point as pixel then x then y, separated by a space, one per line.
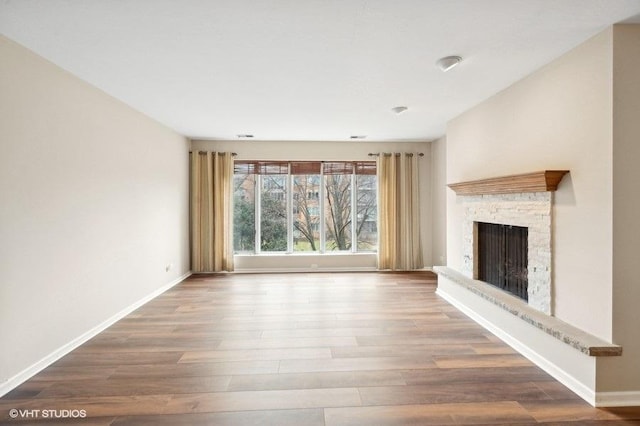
pixel 399 109
pixel 448 62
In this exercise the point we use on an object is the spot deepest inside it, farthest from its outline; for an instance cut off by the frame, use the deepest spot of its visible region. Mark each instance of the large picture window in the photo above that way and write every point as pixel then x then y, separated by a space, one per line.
pixel 305 207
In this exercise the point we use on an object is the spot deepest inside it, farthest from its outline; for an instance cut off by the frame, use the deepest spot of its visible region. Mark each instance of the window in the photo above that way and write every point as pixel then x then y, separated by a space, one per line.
pixel 273 206
pixel 305 207
pixel 244 231
pixel 366 211
pixel 338 214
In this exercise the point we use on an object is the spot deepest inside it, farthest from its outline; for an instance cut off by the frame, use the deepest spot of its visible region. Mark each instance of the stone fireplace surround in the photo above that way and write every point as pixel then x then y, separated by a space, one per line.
pixel 520 200
pixel 530 210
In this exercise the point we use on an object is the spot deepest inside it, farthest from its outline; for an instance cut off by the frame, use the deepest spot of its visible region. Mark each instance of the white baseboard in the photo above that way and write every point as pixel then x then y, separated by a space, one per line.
pixel 617 399
pixel 304 270
pixel 34 369
pixel 569 381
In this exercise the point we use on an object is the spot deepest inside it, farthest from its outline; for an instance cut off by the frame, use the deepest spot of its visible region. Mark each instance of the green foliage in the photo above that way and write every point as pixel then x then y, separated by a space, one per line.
pixel 244 231
pixel 273 224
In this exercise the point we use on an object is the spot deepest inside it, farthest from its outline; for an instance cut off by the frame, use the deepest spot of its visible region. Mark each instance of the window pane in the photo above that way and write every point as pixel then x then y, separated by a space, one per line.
pixel 306 213
pixel 337 212
pixel 244 223
pixel 366 213
pixel 273 206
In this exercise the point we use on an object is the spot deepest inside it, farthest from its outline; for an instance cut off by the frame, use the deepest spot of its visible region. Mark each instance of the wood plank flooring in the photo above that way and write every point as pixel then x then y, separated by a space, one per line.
pixel 301 349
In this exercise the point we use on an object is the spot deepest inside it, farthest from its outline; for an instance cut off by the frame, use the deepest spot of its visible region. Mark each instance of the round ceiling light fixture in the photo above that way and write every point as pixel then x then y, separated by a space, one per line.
pixel 448 62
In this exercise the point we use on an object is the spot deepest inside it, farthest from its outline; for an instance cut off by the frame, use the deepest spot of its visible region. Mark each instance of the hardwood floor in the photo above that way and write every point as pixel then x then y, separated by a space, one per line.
pixel 300 349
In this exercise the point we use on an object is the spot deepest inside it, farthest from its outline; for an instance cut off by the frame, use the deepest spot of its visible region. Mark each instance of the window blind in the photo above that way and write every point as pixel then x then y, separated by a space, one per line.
pixel 261 167
pixel 243 167
pixel 337 168
pixel 305 168
pixel 365 167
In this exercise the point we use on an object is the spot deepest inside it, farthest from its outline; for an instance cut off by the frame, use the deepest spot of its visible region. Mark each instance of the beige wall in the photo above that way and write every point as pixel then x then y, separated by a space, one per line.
pixel 557 118
pixel 580 112
pixel 626 206
pixel 439 197
pixel 306 150
pixel 94 207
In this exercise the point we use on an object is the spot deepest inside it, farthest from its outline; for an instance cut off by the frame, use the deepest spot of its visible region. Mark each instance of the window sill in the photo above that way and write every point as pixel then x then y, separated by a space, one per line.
pixel 305 262
pixel 282 254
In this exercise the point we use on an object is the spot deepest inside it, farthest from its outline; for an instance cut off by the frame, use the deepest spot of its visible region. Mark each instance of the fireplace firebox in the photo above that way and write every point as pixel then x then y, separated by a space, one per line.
pixel 502 252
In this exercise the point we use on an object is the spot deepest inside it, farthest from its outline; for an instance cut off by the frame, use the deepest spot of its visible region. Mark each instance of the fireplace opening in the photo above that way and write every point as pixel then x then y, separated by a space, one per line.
pixel 503 257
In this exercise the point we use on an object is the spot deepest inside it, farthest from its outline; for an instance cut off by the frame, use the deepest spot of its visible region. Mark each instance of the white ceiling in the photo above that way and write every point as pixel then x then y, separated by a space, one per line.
pixel 305 69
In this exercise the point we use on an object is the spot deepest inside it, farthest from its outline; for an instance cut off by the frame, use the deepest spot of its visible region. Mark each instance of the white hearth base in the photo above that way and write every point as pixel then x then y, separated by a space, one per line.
pixel 566 363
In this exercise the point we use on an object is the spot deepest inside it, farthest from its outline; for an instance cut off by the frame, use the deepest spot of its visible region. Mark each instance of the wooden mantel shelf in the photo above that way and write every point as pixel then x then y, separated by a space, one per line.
pixel 546 180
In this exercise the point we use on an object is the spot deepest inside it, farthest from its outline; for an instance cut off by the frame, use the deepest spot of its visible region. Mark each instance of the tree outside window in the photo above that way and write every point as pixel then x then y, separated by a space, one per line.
pixel 273 218
pixel 338 212
pixel 306 213
pixel 305 207
pixel 244 222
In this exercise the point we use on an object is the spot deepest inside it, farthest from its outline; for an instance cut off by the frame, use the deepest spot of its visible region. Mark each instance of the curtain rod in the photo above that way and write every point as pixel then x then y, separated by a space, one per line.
pixel 204 152
pixel 377 154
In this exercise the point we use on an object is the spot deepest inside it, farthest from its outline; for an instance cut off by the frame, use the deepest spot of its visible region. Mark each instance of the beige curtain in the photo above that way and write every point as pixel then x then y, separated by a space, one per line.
pixel 211 211
pixel 399 246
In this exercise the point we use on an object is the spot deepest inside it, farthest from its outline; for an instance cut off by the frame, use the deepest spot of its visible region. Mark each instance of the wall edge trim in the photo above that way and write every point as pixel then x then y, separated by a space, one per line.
pixel 617 399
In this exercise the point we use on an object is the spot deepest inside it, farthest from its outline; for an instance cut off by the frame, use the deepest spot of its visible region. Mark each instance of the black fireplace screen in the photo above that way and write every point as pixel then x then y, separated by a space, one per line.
pixel 502 257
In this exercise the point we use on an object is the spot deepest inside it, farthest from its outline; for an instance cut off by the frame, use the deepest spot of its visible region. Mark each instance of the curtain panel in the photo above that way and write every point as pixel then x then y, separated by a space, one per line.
pixel 211 211
pixel 399 245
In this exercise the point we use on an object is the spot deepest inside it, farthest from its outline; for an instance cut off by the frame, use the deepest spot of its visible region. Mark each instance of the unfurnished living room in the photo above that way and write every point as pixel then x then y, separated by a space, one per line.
pixel 306 212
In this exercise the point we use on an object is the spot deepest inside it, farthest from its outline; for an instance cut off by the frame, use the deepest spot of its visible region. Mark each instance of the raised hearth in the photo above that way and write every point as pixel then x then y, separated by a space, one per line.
pixel 570 335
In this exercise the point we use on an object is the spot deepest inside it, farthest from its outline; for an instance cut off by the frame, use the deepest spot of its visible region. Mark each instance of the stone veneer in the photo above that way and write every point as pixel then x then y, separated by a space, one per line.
pixel 532 210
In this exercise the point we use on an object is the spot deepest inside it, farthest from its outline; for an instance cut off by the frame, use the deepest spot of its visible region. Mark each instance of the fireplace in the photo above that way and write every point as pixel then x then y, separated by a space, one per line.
pixel 502 257
pixel 523 200
pixel 530 211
